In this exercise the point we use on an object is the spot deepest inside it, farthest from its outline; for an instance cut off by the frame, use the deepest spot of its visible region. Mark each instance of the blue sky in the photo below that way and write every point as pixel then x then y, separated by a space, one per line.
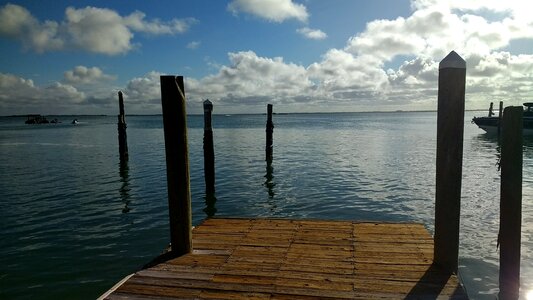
pixel 63 57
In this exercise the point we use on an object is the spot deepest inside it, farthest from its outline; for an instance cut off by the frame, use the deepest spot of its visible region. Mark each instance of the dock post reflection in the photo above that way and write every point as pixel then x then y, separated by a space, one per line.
pixel 210 204
pixel 269 176
pixel 124 171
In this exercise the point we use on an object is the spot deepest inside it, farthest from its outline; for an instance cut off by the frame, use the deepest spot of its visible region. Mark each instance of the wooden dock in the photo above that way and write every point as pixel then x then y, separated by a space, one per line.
pixel 298 259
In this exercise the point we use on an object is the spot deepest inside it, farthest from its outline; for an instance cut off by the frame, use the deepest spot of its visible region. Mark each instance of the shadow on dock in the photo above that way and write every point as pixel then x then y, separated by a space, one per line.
pixel 434 282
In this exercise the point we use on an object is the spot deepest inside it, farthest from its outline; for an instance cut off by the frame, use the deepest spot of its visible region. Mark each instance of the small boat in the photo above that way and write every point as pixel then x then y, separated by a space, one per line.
pixel 490 124
pixel 75 121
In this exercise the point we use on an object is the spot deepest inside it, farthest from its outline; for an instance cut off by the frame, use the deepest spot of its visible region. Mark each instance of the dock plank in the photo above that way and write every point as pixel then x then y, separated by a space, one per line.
pixel 298 259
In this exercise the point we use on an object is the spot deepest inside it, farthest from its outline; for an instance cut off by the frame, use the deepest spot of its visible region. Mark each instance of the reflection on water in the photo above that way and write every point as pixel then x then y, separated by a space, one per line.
pixel 124 171
pixel 210 202
pixel 63 201
pixel 481 206
pixel 269 176
pixel 487 142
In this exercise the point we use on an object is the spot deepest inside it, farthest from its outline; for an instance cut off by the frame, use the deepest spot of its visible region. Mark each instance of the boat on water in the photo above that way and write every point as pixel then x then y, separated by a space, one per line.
pixel 491 123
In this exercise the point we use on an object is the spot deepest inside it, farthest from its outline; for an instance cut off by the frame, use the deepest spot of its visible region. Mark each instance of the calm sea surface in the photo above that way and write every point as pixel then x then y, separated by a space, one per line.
pixel 74 221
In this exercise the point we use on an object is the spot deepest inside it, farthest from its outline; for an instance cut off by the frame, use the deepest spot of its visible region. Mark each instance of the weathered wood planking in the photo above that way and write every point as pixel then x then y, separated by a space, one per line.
pixel 298 259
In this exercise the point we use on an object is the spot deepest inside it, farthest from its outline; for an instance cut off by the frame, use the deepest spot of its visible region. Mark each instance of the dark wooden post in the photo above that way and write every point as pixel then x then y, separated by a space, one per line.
pixel 510 202
pixel 500 113
pixel 490 110
pixel 269 131
pixel 450 127
pixel 122 137
pixel 209 152
pixel 177 156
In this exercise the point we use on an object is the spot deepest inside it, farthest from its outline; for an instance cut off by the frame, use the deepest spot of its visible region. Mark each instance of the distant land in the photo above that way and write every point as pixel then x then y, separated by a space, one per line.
pixel 238 114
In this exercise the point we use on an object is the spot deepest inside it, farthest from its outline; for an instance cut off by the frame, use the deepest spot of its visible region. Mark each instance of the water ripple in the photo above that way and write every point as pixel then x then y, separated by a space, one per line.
pixel 68 200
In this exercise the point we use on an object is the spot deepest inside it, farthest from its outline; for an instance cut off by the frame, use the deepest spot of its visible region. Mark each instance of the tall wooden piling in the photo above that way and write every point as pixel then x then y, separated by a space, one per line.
pixel 122 137
pixel 209 152
pixel 500 113
pixel 450 127
pixel 510 202
pixel 491 112
pixel 177 157
pixel 269 132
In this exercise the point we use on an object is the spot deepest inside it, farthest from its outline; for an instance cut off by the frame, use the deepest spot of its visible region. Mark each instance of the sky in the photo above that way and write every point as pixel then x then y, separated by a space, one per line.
pixel 72 57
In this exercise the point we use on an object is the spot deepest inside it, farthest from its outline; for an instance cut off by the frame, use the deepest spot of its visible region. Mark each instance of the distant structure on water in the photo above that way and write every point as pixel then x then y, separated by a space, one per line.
pixel 38 119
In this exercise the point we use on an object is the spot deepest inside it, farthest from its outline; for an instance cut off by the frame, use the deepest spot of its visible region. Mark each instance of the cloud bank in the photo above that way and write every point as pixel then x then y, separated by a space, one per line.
pixel 392 64
pixel 91 29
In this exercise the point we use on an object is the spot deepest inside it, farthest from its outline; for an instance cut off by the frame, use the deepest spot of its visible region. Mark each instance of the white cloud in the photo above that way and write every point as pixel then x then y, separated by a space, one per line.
pixel 86 75
pixel 392 64
pixel 98 30
pixel 271 10
pixel 136 22
pixel 22 96
pixel 251 79
pixel 17 22
pixel 437 27
pixel 194 45
pixel 144 93
pixel 314 34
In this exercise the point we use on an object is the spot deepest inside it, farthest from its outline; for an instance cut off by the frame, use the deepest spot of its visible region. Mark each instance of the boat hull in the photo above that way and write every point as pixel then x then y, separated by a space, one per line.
pixel 490 124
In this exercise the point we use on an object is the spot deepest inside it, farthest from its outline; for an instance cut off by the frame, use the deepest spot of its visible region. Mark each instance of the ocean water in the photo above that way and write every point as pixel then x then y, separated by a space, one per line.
pixel 74 220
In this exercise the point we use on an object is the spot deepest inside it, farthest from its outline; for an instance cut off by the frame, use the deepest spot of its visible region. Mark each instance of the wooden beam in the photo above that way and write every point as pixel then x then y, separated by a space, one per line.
pixel 450 127
pixel 177 157
pixel 510 202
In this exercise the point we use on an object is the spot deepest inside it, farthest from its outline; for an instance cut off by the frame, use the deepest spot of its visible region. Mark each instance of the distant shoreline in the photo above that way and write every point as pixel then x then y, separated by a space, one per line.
pixel 244 114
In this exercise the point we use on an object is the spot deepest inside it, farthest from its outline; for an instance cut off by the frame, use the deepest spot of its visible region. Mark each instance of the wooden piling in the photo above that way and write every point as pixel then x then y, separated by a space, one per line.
pixel 269 132
pixel 500 113
pixel 510 202
pixel 122 137
pixel 450 127
pixel 491 113
pixel 177 158
pixel 209 152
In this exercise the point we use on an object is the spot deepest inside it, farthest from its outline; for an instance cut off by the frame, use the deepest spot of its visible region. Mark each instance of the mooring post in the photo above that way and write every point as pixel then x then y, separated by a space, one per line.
pixel 269 131
pixel 490 110
pixel 450 127
pixel 177 157
pixel 122 137
pixel 209 152
pixel 510 202
pixel 500 113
